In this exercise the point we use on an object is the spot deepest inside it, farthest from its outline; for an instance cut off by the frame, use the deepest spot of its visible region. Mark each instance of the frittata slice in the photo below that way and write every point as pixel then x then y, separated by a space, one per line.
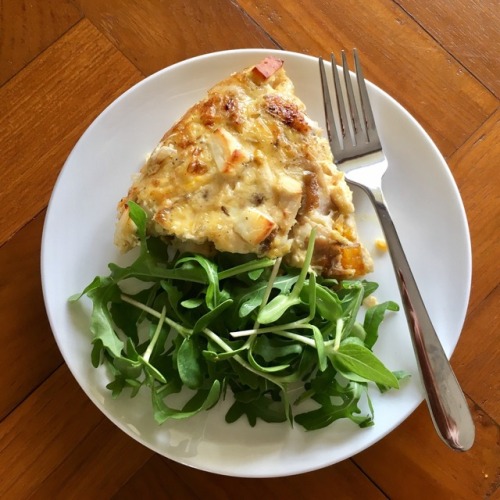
pixel 246 171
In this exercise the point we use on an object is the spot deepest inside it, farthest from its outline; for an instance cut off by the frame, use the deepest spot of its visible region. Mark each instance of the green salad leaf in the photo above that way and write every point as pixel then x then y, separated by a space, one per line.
pixel 199 327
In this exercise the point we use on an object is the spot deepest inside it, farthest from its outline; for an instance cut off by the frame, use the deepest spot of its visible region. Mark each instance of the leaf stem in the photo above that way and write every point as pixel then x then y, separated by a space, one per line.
pixel 297 337
pixel 272 279
pixel 265 298
pixel 152 344
pixel 185 332
pixel 215 338
pixel 269 287
pixel 338 334
pixel 243 268
pixel 305 268
pixel 279 330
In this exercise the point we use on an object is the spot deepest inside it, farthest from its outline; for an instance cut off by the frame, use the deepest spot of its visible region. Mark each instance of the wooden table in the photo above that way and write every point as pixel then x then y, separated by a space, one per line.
pixel 63 61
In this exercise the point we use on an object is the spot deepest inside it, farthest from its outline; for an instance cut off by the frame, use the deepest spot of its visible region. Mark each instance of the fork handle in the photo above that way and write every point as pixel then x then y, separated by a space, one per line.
pixel 447 404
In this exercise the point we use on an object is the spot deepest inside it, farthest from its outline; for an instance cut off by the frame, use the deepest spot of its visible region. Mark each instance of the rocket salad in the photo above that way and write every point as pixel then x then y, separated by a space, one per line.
pixel 273 336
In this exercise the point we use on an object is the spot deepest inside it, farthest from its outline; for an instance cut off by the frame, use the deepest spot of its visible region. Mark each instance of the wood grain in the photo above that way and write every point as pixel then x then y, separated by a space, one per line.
pixel 397 55
pixel 475 168
pixel 96 467
pixel 28 28
pixel 41 434
pixel 454 25
pixel 44 110
pixel 155 34
pixel 476 357
pixel 412 463
pixel 29 353
pixel 178 482
pixel 155 476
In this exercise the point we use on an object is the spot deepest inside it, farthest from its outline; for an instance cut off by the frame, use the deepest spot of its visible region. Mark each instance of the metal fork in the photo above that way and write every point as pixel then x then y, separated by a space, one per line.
pixel 357 150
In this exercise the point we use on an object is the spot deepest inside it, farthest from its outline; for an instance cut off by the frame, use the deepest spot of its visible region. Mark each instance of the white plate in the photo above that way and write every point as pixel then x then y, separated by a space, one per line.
pixel 78 244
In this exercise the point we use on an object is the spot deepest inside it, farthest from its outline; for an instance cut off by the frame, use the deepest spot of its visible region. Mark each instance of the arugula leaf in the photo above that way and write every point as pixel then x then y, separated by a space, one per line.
pixel 192 303
pixel 260 406
pixel 276 349
pixel 351 303
pixel 101 323
pixel 127 318
pixel 145 268
pixel 189 363
pixel 128 368
pixel 247 299
pixel 274 309
pixel 152 373
pixel 139 218
pixel 373 318
pixel 207 318
pixel 357 359
pixel 265 369
pixel 329 411
pixel 212 294
pixel 247 267
pixel 400 375
pixel 163 412
pixel 328 304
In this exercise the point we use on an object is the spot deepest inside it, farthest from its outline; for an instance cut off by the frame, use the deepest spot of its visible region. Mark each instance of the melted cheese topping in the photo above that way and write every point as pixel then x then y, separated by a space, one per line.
pixel 246 171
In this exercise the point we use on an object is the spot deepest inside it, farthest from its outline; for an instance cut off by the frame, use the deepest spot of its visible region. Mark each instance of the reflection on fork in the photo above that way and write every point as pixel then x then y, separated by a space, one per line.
pixel 358 152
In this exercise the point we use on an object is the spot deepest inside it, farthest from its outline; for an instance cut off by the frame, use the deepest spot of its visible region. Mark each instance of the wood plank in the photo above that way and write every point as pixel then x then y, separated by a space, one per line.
pixel 97 467
pixel 156 479
pixel 172 480
pixel 397 54
pixel 42 432
pixel 475 168
pixel 476 357
pixel 28 347
pixel 28 28
pixel 43 111
pixel 156 34
pixel 412 463
pixel 471 35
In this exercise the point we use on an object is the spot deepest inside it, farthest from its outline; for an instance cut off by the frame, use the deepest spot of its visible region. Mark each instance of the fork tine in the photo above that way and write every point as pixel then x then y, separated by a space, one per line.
pixel 353 108
pixel 347 139
pixel 371 130
pixel 331 130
